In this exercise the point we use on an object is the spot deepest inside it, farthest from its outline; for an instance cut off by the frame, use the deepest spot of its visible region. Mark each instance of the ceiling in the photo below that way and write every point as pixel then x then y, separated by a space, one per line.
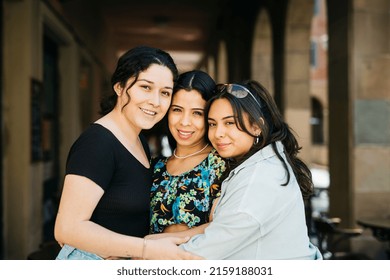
pixel 181 27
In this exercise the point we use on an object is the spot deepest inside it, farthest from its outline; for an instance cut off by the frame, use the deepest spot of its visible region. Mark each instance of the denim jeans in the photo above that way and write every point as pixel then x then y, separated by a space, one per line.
pixel 70 253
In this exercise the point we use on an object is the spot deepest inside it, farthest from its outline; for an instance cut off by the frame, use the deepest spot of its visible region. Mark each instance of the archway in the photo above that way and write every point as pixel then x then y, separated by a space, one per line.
pixel 262 69
pixel 297 74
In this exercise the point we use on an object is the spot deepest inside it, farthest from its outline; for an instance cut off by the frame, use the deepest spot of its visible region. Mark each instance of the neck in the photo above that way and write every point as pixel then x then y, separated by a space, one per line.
pixel 120 121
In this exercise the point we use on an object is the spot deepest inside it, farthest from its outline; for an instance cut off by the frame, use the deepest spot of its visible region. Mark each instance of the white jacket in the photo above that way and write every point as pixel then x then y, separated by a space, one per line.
pixel 256 217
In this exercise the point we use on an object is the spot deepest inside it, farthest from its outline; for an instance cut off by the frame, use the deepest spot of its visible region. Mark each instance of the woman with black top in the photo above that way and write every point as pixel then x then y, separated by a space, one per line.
pixel 104 207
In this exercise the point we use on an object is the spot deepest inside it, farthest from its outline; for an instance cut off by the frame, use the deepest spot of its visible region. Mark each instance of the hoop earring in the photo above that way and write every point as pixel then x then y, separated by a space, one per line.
pixel 257 140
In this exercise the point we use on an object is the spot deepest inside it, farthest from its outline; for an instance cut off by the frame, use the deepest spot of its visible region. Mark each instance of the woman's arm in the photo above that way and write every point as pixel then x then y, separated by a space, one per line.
pixel 178 231
pixel 226 235
pixel 182 230
pixel 231 225
pixel 74 227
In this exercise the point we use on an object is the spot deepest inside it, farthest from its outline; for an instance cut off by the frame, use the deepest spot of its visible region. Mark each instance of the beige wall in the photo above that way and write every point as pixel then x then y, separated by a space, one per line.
pixel 370 98
pixel 297 73
pixel 262 54
pixel 22 61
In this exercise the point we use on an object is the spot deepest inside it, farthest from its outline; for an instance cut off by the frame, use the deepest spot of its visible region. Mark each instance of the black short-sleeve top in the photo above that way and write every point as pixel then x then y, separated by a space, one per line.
pixel 124 207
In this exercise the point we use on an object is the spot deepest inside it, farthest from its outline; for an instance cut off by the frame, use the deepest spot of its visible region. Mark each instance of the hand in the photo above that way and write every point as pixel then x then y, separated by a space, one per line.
pixel 178 230
pixel 156 236
pixel 167 249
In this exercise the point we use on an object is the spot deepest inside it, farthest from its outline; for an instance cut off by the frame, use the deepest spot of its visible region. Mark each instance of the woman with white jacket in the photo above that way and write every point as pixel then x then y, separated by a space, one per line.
pixel 260 213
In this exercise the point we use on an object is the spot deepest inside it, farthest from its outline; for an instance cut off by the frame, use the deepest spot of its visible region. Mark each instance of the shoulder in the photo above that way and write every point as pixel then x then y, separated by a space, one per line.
pixel 92 155
pixel 215 159
pixel 95 133
pixel 214 164
pixel 94 140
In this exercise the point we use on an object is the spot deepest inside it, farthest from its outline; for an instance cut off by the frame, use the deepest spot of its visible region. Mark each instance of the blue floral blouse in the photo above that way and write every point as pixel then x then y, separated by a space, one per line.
pixel 186 198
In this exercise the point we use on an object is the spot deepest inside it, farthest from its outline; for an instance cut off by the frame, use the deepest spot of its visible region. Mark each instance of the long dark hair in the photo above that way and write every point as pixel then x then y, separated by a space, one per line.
pixel 130 65
pixel 264 113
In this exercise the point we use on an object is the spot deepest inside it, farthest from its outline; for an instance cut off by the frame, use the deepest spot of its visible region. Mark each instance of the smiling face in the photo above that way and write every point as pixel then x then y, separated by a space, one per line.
pixel 186 118
pixel 150 97
pixel 224 135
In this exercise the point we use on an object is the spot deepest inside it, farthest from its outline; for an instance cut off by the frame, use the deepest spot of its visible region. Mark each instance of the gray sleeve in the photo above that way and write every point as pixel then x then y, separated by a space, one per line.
pixel 229 235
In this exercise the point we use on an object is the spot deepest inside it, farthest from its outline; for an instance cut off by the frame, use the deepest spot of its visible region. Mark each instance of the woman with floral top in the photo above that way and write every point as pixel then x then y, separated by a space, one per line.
pixel 186 184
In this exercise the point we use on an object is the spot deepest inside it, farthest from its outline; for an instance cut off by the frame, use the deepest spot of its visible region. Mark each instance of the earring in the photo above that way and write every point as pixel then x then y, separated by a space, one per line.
pixel 257 140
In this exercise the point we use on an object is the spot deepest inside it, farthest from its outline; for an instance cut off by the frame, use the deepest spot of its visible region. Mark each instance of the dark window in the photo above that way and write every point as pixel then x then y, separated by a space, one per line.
pixel 317 122
pixel 313 54
pixel 316 7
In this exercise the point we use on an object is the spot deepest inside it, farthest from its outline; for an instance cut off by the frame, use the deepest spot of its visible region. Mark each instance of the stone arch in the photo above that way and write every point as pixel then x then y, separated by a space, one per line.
pixel 317 121
pixel 211 66
pixel 319 83
pixel 222 66
pixel 262 69
pixel 297 72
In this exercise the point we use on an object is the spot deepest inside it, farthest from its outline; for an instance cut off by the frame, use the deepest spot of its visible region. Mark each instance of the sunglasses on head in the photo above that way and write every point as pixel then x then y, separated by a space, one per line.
pixel 236 90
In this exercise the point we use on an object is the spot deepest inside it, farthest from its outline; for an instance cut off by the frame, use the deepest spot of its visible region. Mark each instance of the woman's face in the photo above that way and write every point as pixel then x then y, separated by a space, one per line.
pixel 227 139
pixel 150 97
pixel 186 118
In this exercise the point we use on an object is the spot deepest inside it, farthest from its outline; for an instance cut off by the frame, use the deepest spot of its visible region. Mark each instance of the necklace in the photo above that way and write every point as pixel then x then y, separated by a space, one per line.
pixel 190 155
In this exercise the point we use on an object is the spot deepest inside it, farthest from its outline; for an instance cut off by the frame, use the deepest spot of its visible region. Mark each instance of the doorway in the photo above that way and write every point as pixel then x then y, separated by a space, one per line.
pixel 1 136
pixel 50 135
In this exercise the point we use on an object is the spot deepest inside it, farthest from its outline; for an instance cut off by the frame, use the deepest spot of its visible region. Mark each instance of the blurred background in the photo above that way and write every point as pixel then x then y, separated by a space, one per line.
pixel 326 62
